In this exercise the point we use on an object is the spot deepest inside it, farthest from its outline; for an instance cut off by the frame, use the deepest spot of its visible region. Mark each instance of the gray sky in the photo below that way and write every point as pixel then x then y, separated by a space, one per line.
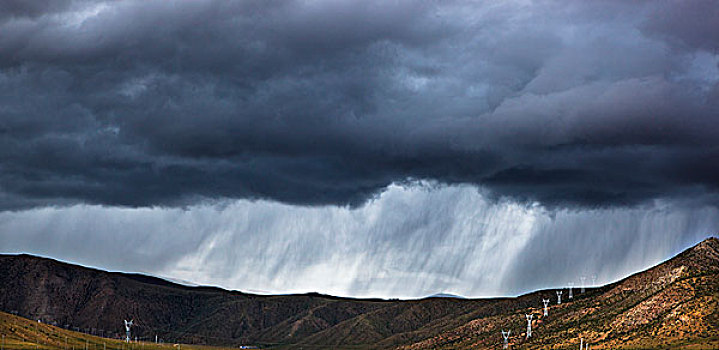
pixel 276 144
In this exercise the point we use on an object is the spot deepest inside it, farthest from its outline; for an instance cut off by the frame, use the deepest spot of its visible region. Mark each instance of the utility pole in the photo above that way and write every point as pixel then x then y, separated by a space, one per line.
pixel 559 297
pixel 570 290
pixel 583 279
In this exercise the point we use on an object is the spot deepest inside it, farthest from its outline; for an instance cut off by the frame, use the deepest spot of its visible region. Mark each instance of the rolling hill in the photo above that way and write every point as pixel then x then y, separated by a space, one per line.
pixel 21 333
pixel 672 305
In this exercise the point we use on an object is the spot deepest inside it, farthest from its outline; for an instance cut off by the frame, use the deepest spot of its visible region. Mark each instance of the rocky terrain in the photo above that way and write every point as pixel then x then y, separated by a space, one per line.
pixel 673 305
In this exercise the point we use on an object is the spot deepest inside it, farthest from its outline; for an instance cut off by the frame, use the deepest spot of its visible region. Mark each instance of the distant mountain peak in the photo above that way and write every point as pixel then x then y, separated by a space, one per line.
pixel 445 295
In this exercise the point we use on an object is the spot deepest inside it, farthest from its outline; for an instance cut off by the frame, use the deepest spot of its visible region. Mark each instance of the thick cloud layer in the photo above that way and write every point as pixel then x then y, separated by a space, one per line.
pixel 144 103
pixel 409 242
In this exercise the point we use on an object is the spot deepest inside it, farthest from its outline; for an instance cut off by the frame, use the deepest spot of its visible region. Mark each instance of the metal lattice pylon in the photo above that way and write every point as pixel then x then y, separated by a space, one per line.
pixel 529 325
pixel 505 336
pixel 128 324
pixel 546 306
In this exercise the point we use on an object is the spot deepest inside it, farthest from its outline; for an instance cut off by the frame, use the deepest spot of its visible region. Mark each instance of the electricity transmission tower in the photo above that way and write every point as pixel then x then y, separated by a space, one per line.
pixel 128 324
pixel 505 335
pixel 529 325
pixel 546 306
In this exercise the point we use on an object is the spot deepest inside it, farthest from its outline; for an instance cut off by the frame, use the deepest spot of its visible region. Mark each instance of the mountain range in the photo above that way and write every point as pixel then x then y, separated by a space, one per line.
pixel 672 305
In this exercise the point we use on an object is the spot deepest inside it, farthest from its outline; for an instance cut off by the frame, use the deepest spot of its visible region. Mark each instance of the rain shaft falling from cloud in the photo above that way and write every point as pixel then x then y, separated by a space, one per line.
pixel 411 241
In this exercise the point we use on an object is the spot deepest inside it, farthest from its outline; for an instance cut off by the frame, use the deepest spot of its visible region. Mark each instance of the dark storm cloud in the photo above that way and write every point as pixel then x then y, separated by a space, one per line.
pixel 692 24
pixel 33 8
pixel 327 102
